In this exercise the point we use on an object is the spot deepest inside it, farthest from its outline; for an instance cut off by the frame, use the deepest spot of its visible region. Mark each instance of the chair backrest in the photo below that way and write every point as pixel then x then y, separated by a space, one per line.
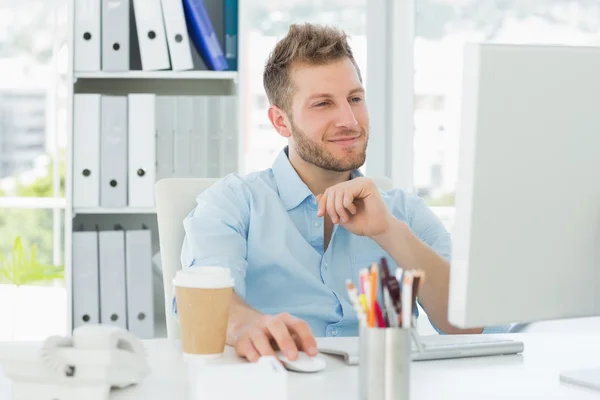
pixel 175 198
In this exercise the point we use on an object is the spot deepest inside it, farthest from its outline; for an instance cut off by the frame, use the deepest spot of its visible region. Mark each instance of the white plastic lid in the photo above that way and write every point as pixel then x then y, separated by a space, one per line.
pixel 204 278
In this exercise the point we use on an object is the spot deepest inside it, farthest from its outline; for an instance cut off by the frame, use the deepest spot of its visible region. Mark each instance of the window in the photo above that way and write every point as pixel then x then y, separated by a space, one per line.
pixel 442 28
pixel 33 110
pixel 264 24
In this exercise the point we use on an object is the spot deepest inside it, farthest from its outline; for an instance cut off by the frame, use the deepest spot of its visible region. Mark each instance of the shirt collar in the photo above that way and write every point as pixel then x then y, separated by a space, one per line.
pixel 292 189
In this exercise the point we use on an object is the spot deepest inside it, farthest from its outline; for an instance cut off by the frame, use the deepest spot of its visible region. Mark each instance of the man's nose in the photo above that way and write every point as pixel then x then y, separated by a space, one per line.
pixel 346 118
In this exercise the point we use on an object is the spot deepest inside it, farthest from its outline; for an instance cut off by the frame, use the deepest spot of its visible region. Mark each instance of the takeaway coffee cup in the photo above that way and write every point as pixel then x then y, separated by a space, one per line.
pixel 203 296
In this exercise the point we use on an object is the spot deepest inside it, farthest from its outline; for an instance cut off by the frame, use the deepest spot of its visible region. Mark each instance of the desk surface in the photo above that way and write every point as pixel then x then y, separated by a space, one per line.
pixel 531 375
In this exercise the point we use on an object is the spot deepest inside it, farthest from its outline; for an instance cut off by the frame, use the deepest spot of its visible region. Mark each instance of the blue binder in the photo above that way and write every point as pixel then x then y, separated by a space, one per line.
pixel 231 34
pixel 203 35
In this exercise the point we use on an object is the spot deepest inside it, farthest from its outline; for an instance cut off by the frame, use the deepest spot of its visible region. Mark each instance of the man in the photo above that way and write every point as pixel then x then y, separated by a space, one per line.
pixel 293 234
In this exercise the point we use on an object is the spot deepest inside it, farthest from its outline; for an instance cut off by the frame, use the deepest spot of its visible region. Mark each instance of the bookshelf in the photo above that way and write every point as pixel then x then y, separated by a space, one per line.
pixel 122 210
pixel 160 83
pixel 171 75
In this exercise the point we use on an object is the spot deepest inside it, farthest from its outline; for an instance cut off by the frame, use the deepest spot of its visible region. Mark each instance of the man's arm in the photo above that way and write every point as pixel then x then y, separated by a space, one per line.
pixel 411 253
pixel 357 205
pixel 254 334
pixel 216 234
pixel 240 314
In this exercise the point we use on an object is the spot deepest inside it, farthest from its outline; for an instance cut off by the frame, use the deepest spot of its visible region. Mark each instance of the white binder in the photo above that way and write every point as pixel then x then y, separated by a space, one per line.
pixel 86 44
pixel 198 143
pixel 140 298
pixel 86 150
pixel 86 299
pixel 142 150
pixel 151 35
pixel 115 35
pixel 113 152
pixel 111 246
pixel 213 139
pixel 183 135
pixel 229 135
pixel 177 35
pixel 165 128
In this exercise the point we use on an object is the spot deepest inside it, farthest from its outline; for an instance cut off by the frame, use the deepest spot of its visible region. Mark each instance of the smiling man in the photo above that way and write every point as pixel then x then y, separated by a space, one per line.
pixel 294 233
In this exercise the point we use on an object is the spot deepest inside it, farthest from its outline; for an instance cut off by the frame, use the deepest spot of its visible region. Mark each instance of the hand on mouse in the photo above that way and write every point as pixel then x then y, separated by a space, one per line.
pixel 269 333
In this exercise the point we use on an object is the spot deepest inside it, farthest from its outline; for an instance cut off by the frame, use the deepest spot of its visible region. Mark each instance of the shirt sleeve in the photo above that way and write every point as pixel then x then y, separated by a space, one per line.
pixel 216 231
pixel 430 229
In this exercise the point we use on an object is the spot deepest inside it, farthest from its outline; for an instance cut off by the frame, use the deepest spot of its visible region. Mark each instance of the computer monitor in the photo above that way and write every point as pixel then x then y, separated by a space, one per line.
pixel 526 238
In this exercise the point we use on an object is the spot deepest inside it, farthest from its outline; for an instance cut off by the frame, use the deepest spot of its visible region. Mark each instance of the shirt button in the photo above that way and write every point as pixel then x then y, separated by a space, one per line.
pixel 334 331
pixel 325 265
pixel 317 224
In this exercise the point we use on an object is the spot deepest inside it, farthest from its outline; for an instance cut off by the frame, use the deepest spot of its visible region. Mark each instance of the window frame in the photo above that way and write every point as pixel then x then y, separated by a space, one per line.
pixel 390 73
pixel 56 202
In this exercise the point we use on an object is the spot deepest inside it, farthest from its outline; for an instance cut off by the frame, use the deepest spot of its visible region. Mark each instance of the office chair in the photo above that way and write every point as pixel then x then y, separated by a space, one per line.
pixel 175 199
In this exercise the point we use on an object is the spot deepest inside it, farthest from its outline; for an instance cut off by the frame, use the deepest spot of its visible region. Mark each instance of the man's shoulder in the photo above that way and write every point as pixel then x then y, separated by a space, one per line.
pixel 243 185
pixel 401 201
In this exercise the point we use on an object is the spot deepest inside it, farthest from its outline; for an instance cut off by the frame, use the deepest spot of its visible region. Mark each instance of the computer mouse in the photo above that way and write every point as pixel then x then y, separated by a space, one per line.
pixel 304 362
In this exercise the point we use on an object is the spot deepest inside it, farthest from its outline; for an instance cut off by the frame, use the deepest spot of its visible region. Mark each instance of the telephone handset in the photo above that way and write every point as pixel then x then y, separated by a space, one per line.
pixel 99 357
pixel 102 348
pixel 87 365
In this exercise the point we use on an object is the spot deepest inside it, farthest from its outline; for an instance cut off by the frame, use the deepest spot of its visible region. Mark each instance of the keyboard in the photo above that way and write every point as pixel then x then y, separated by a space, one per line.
pixel 451 341
pixel 435 347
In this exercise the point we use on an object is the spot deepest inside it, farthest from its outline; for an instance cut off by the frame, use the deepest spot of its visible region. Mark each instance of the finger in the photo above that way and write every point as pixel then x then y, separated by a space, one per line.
pixel 245 348
pixel 349 203
pixel 261 343
pixel 340 208
pixel 284 339
pixel 252 354
pixel 302 331
pixel 322 204
pixel 335 218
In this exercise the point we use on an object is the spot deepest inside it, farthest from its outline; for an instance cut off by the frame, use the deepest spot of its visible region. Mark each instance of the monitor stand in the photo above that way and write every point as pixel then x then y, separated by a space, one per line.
pixel 589 378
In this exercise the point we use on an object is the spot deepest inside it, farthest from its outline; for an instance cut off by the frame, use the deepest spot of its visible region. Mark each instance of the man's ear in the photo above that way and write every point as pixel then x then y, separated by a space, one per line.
pixel 279 121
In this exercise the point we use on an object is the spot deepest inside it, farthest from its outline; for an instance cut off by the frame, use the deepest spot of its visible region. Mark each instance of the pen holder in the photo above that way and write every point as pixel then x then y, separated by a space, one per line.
pixel 384 363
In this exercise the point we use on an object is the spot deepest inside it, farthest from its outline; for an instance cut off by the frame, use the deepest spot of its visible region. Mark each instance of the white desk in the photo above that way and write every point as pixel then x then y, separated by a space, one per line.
pixel 532 375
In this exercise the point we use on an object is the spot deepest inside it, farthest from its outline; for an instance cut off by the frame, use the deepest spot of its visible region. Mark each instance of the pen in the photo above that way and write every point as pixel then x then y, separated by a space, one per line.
pixel 379 318
pixel 353 295
pixel 407 281
pixel 364 284
pixel 389 306
pixel 373 294
pixel 415 289
pixel 365 279
pixel 391 283
pixel 399 278
pixel 363 302
pixel 383 277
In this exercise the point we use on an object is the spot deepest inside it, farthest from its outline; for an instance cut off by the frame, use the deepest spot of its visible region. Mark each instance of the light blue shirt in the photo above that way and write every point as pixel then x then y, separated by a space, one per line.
pixel 264 227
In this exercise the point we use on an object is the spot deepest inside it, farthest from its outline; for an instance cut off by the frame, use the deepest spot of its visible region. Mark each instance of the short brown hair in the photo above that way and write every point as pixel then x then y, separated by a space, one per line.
pixel 306 43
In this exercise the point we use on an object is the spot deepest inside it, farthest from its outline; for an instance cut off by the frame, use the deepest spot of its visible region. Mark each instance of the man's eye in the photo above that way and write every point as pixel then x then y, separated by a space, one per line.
pixel 321 104
pixel 356 99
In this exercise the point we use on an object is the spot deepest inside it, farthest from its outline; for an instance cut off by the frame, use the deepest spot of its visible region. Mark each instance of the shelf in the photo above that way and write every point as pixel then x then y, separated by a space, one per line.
pixel 178 75
pixel 124 210
pixel 200 83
